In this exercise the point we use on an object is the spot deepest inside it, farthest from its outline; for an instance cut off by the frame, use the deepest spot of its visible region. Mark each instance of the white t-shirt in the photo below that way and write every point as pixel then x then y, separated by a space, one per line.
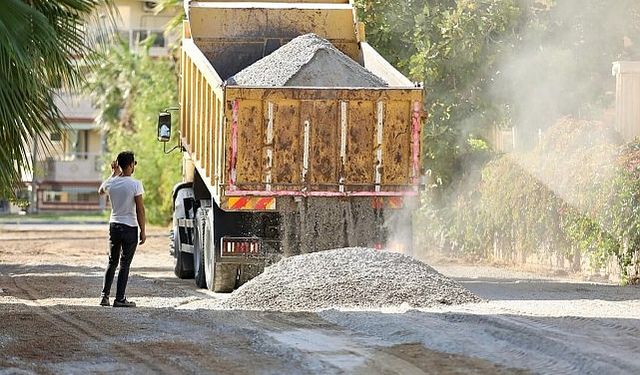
pixel 122 190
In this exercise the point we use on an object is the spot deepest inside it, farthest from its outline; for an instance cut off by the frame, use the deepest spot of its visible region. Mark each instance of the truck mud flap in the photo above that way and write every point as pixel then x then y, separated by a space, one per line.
pixel 314 224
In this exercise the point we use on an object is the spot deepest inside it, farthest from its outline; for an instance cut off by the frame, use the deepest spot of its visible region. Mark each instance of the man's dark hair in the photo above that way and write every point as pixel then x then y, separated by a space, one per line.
pixel 125 159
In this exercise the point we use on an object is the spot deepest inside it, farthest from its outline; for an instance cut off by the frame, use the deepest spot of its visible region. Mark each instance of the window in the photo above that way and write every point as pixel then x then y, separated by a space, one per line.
pixel 54 196
pixel 83 196
pixel 141 35
pixel 78 144
pixel 71 195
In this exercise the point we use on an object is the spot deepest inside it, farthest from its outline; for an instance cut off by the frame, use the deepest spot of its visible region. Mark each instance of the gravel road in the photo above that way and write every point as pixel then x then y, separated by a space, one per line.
pixel 50 322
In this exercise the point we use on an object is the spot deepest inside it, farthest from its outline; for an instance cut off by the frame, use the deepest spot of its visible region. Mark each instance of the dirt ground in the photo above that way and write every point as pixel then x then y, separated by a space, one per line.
pixel 50 322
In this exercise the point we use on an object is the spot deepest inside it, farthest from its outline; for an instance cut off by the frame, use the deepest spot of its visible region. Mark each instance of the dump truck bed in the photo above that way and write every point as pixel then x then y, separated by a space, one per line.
pixel 292 141
pixel 300 141
pixel 291 146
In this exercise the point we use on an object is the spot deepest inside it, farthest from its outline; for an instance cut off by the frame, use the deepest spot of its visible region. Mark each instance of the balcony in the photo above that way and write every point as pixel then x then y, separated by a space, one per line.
pixel 76 167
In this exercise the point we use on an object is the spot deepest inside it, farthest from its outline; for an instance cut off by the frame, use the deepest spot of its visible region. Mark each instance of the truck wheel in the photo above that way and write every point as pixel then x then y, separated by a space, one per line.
pixel 209 250
pixel 198 249
pixel 184 261
pixel 219 277
pixel 225 278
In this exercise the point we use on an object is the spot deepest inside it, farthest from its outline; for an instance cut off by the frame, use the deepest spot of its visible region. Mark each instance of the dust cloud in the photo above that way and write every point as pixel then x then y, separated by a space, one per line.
pixel 557 85
pixel 560 62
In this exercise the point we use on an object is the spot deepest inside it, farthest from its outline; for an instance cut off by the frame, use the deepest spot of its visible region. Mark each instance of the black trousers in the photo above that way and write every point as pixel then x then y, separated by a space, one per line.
pixel 123 240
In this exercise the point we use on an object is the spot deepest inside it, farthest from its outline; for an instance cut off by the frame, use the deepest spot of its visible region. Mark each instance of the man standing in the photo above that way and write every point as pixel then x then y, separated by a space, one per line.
pixel 127 215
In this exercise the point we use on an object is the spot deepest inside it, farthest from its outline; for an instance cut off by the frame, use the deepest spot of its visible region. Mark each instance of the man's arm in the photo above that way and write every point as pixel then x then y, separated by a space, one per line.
pixel 103 188
pixel 141 218
pixel 115 171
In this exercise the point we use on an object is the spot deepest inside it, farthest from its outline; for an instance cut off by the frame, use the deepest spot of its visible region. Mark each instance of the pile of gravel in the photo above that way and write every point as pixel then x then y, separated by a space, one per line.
pixel 348 278
pixel 307 60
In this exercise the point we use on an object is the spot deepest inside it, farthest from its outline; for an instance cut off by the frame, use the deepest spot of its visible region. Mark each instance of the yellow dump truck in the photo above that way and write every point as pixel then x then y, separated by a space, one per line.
pixel 277 171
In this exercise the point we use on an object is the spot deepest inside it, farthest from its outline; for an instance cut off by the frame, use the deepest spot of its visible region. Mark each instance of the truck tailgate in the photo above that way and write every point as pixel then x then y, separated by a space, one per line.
pixel 322 141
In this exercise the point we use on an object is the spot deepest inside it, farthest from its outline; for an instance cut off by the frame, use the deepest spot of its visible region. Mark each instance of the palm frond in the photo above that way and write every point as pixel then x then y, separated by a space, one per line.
pixel 176 22
pixel 41 44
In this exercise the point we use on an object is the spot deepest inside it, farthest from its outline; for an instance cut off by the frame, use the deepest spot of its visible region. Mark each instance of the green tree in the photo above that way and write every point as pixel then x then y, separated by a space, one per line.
pixel 129 88
pixel 501 63
pixel 40 43
pixel 453 47
pixel 458 52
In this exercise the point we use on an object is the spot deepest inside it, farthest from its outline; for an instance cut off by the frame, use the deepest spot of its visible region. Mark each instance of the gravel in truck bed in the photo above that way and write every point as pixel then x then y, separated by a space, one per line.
pixel 307 60
pixel 359 278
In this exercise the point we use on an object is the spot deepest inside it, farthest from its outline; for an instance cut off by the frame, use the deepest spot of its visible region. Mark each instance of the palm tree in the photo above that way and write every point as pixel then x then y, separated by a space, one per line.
pixel 173 5
pixel 42 43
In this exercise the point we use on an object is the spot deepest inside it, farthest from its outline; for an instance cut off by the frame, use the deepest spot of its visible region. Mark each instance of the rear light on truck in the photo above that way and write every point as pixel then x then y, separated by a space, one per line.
pixel 246 246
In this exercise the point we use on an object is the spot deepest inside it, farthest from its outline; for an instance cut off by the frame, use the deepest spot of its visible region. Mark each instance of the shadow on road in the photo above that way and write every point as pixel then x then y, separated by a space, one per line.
pixel 64 281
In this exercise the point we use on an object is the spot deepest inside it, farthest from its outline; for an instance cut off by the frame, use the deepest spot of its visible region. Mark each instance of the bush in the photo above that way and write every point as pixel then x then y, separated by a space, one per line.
pixel 578 191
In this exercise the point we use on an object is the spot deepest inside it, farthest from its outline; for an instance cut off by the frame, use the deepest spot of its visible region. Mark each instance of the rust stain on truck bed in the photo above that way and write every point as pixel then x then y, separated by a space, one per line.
pixel 250 135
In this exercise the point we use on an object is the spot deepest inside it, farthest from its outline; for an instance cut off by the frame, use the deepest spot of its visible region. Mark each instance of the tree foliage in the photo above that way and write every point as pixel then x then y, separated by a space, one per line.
pixel 40 43
pixel 129 88
pixel 490 64
pixel 453 48
pixel 522 64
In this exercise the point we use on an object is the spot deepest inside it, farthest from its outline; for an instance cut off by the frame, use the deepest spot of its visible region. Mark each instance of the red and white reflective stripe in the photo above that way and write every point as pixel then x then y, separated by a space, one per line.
pixel 387 202
pixel 251 203
pixel 239 203
pixel 395 202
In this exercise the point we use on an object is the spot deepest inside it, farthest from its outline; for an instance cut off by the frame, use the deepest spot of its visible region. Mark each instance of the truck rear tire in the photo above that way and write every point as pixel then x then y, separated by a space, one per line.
pixel 198 249
pixel 208 250
pixel 219 278
pixel 225 278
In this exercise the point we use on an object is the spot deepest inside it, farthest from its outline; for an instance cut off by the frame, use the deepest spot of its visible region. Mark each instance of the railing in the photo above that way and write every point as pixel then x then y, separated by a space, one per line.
pixel 79 166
